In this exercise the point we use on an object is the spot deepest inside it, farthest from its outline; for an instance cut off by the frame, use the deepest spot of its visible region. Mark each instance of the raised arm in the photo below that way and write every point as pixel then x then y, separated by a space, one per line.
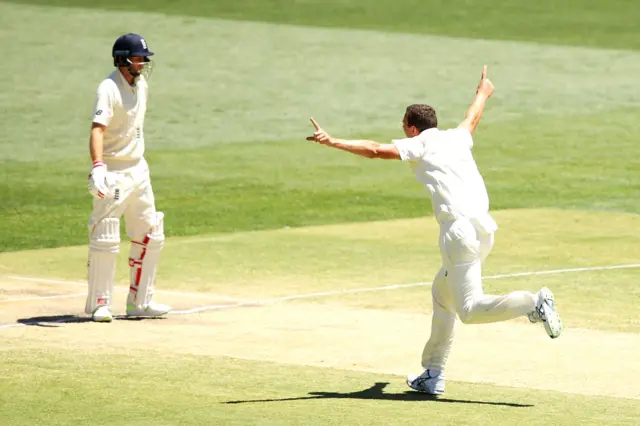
pixel 474 113
pixel 363 148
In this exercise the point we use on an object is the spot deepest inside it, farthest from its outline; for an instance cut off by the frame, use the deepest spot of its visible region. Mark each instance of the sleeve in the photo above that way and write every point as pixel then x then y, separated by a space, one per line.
pixel 410 149
pixel 103 111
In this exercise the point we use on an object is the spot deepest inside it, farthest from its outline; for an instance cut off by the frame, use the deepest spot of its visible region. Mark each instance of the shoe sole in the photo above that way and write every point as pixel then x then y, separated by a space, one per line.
pixel 553 324
pixel 105 319
pixel 552 321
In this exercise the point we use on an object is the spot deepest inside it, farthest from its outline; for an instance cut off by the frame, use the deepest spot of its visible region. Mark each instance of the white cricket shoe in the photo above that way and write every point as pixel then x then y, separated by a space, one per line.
pixel 102 314
pixel 150 310
pixel 430 382
pixel 546 312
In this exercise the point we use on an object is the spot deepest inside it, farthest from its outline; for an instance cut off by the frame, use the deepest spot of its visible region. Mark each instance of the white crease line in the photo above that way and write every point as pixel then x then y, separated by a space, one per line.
pixel 390 287
pixel 213 308
pixel 60 296
pixel 337 292
pixel 275 300
pixel 562 271
pixel 241 302
pixel 171 292
pixel 387 287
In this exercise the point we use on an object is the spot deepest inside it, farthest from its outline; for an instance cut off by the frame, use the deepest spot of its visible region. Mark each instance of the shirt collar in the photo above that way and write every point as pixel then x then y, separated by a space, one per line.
pixel 124 83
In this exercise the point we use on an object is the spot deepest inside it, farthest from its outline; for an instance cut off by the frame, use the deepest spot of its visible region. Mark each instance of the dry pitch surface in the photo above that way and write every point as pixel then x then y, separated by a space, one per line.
pixel 329 334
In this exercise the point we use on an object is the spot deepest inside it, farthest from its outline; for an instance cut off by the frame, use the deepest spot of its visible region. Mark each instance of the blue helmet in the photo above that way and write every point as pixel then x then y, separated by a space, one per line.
pixel 127 46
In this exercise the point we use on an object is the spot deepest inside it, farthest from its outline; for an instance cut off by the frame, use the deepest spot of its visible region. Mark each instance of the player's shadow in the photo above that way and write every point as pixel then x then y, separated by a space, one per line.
pixel 377 392
pixel 52 320
pixel 58 320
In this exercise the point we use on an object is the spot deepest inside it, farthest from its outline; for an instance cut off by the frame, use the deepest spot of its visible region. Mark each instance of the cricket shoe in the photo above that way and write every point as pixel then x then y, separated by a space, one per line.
pixel 102 314
pixel 150 310
pixel 428 382
pixel 546 312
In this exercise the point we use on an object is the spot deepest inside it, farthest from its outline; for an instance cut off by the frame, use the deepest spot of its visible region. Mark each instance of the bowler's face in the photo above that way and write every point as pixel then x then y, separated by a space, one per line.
pixel 409 131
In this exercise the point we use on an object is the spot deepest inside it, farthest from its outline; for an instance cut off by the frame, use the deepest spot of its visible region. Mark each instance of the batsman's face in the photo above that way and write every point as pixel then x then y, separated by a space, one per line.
pixel 137 63
pixel 140 65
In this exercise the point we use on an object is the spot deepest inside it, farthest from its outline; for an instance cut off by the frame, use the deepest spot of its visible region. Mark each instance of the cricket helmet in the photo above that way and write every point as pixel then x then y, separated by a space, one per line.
pixel 127 46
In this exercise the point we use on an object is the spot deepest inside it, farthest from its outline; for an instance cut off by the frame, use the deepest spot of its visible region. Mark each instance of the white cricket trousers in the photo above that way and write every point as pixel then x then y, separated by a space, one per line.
pixel 457 289
pixel 136 204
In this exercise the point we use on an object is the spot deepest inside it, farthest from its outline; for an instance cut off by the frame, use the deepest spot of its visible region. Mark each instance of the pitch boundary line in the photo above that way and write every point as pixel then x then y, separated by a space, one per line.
pixel 271 301
pixel 392 287
pixel 241 302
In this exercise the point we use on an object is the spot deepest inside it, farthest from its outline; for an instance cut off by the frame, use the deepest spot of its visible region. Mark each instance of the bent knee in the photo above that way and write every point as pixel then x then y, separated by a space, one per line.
pixel 465 315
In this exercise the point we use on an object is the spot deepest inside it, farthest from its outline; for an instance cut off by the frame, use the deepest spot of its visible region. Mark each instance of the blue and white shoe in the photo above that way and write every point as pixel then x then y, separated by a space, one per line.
pixel 430 381
pixel 546 312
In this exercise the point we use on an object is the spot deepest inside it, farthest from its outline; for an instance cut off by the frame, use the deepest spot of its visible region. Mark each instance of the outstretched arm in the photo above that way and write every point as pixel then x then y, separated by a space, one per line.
pixel 364 148
pixel 474 113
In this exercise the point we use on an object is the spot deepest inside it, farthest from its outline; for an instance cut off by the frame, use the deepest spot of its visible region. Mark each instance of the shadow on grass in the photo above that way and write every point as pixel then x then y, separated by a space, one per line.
pixel 53 320
pixel 377 392
pixel 57 320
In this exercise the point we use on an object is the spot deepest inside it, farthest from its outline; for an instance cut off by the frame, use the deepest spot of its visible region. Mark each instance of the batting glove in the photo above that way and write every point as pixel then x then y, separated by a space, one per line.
pixel 98 184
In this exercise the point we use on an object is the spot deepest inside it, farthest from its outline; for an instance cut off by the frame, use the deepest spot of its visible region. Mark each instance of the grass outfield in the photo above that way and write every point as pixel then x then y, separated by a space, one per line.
pixel 238 187
pixel 227 391
pixel 565 140
pixel 578 22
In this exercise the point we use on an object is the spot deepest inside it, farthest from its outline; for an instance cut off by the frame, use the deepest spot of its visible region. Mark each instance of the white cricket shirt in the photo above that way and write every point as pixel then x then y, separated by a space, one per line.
pixel 443 162
pixel 121 108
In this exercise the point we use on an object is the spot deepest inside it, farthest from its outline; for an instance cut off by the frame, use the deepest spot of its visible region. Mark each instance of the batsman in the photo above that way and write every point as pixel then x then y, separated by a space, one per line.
pixel 120 184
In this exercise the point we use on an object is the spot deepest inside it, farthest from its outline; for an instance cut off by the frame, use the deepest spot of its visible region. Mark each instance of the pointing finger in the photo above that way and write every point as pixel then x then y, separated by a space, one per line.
pixel 315 123
pixel 484 72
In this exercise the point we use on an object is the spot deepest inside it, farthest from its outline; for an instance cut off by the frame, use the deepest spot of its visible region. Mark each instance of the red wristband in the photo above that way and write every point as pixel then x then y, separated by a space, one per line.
pixel 98 163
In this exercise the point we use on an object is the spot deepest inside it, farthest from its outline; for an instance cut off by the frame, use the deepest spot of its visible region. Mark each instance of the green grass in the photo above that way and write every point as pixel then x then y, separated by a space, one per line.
pixel 239 187
pixel 263 89
pixel 566 139
pixel 56 387
pixel 577 22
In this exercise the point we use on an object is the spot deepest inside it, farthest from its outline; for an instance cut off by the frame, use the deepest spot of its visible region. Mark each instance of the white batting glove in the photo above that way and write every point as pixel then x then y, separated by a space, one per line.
pixel 99 181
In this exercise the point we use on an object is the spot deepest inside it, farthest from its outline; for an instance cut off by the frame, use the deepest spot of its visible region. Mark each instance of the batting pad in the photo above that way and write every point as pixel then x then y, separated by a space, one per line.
pixel 104 243
pixel 143 260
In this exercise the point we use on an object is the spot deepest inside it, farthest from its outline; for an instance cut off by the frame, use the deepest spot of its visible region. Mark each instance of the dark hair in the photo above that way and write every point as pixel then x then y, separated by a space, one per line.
pixel 421 116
